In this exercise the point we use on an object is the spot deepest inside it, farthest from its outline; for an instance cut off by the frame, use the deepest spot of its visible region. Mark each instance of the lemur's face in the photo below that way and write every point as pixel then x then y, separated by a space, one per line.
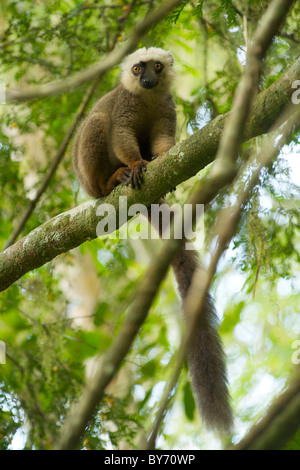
pixel 148 69
pixel 148 73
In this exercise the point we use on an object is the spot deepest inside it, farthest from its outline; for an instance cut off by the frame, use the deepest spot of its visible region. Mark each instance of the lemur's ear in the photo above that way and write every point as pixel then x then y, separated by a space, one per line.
pixel 171 58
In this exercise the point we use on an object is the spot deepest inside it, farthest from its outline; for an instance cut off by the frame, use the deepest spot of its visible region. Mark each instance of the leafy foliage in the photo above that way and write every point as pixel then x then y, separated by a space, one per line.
pixel 56 319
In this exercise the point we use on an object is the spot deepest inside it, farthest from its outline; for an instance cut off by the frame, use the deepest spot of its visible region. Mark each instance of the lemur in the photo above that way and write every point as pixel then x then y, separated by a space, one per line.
pixel 127 128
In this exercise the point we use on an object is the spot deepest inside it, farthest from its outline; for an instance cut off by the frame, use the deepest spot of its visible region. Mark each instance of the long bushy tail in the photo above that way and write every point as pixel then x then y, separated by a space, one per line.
pixel 206 358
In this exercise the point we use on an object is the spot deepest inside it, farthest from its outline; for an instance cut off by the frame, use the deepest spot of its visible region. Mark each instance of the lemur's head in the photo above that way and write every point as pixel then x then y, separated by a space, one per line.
pixel 147 69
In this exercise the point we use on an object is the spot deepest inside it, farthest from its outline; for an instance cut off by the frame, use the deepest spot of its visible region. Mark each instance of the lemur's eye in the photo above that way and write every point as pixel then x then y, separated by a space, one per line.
pixel 136 68
pixel 158 66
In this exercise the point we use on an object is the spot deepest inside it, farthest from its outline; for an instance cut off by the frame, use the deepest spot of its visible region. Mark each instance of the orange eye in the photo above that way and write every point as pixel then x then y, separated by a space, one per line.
pixel 158 66
pixel 136 68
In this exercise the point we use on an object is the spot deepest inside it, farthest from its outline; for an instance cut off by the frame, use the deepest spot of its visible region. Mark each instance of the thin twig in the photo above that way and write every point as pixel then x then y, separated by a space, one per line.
pixel 54 164
pixel 95 70
pixel 243 101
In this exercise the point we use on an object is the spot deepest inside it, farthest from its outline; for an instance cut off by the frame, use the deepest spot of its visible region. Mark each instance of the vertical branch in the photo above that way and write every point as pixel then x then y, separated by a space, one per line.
pixel 242 105
pixel 223 172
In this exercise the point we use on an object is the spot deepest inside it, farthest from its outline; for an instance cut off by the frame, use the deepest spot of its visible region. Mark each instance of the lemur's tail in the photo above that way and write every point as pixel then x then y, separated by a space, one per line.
pixel 206 358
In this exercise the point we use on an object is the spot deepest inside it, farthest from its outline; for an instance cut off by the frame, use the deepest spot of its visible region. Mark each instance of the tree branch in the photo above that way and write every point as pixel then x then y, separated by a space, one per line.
pixel 108 364
pixel 243 101
pixel 95 70
pixel 64 145
pixel 226 223
pixel 54 164
pixel 280 423
pixel 184 160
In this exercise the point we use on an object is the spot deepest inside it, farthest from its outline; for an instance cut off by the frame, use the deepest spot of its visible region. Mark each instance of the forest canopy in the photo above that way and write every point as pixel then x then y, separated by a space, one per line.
pixel 68 297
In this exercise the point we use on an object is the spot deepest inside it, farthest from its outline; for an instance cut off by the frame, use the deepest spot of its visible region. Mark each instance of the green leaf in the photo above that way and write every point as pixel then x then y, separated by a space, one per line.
pixel 189 401
pixel 149 368
pixel 294 443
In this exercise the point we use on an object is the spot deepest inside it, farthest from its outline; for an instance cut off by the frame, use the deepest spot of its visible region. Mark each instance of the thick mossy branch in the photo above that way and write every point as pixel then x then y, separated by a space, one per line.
pixel 72 228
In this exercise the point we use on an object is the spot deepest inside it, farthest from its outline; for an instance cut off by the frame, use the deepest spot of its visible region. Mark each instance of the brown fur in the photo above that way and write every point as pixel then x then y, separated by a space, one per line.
pixel 206 358
pixel 120 135
pixel 125 129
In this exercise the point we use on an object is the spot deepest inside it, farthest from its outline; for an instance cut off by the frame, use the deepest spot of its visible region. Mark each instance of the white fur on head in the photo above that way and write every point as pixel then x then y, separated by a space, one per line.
pixel 132 83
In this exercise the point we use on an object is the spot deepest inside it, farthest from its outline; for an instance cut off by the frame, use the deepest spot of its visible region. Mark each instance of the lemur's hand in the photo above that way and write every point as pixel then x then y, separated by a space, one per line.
pixel 124 175
pixel 136 176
